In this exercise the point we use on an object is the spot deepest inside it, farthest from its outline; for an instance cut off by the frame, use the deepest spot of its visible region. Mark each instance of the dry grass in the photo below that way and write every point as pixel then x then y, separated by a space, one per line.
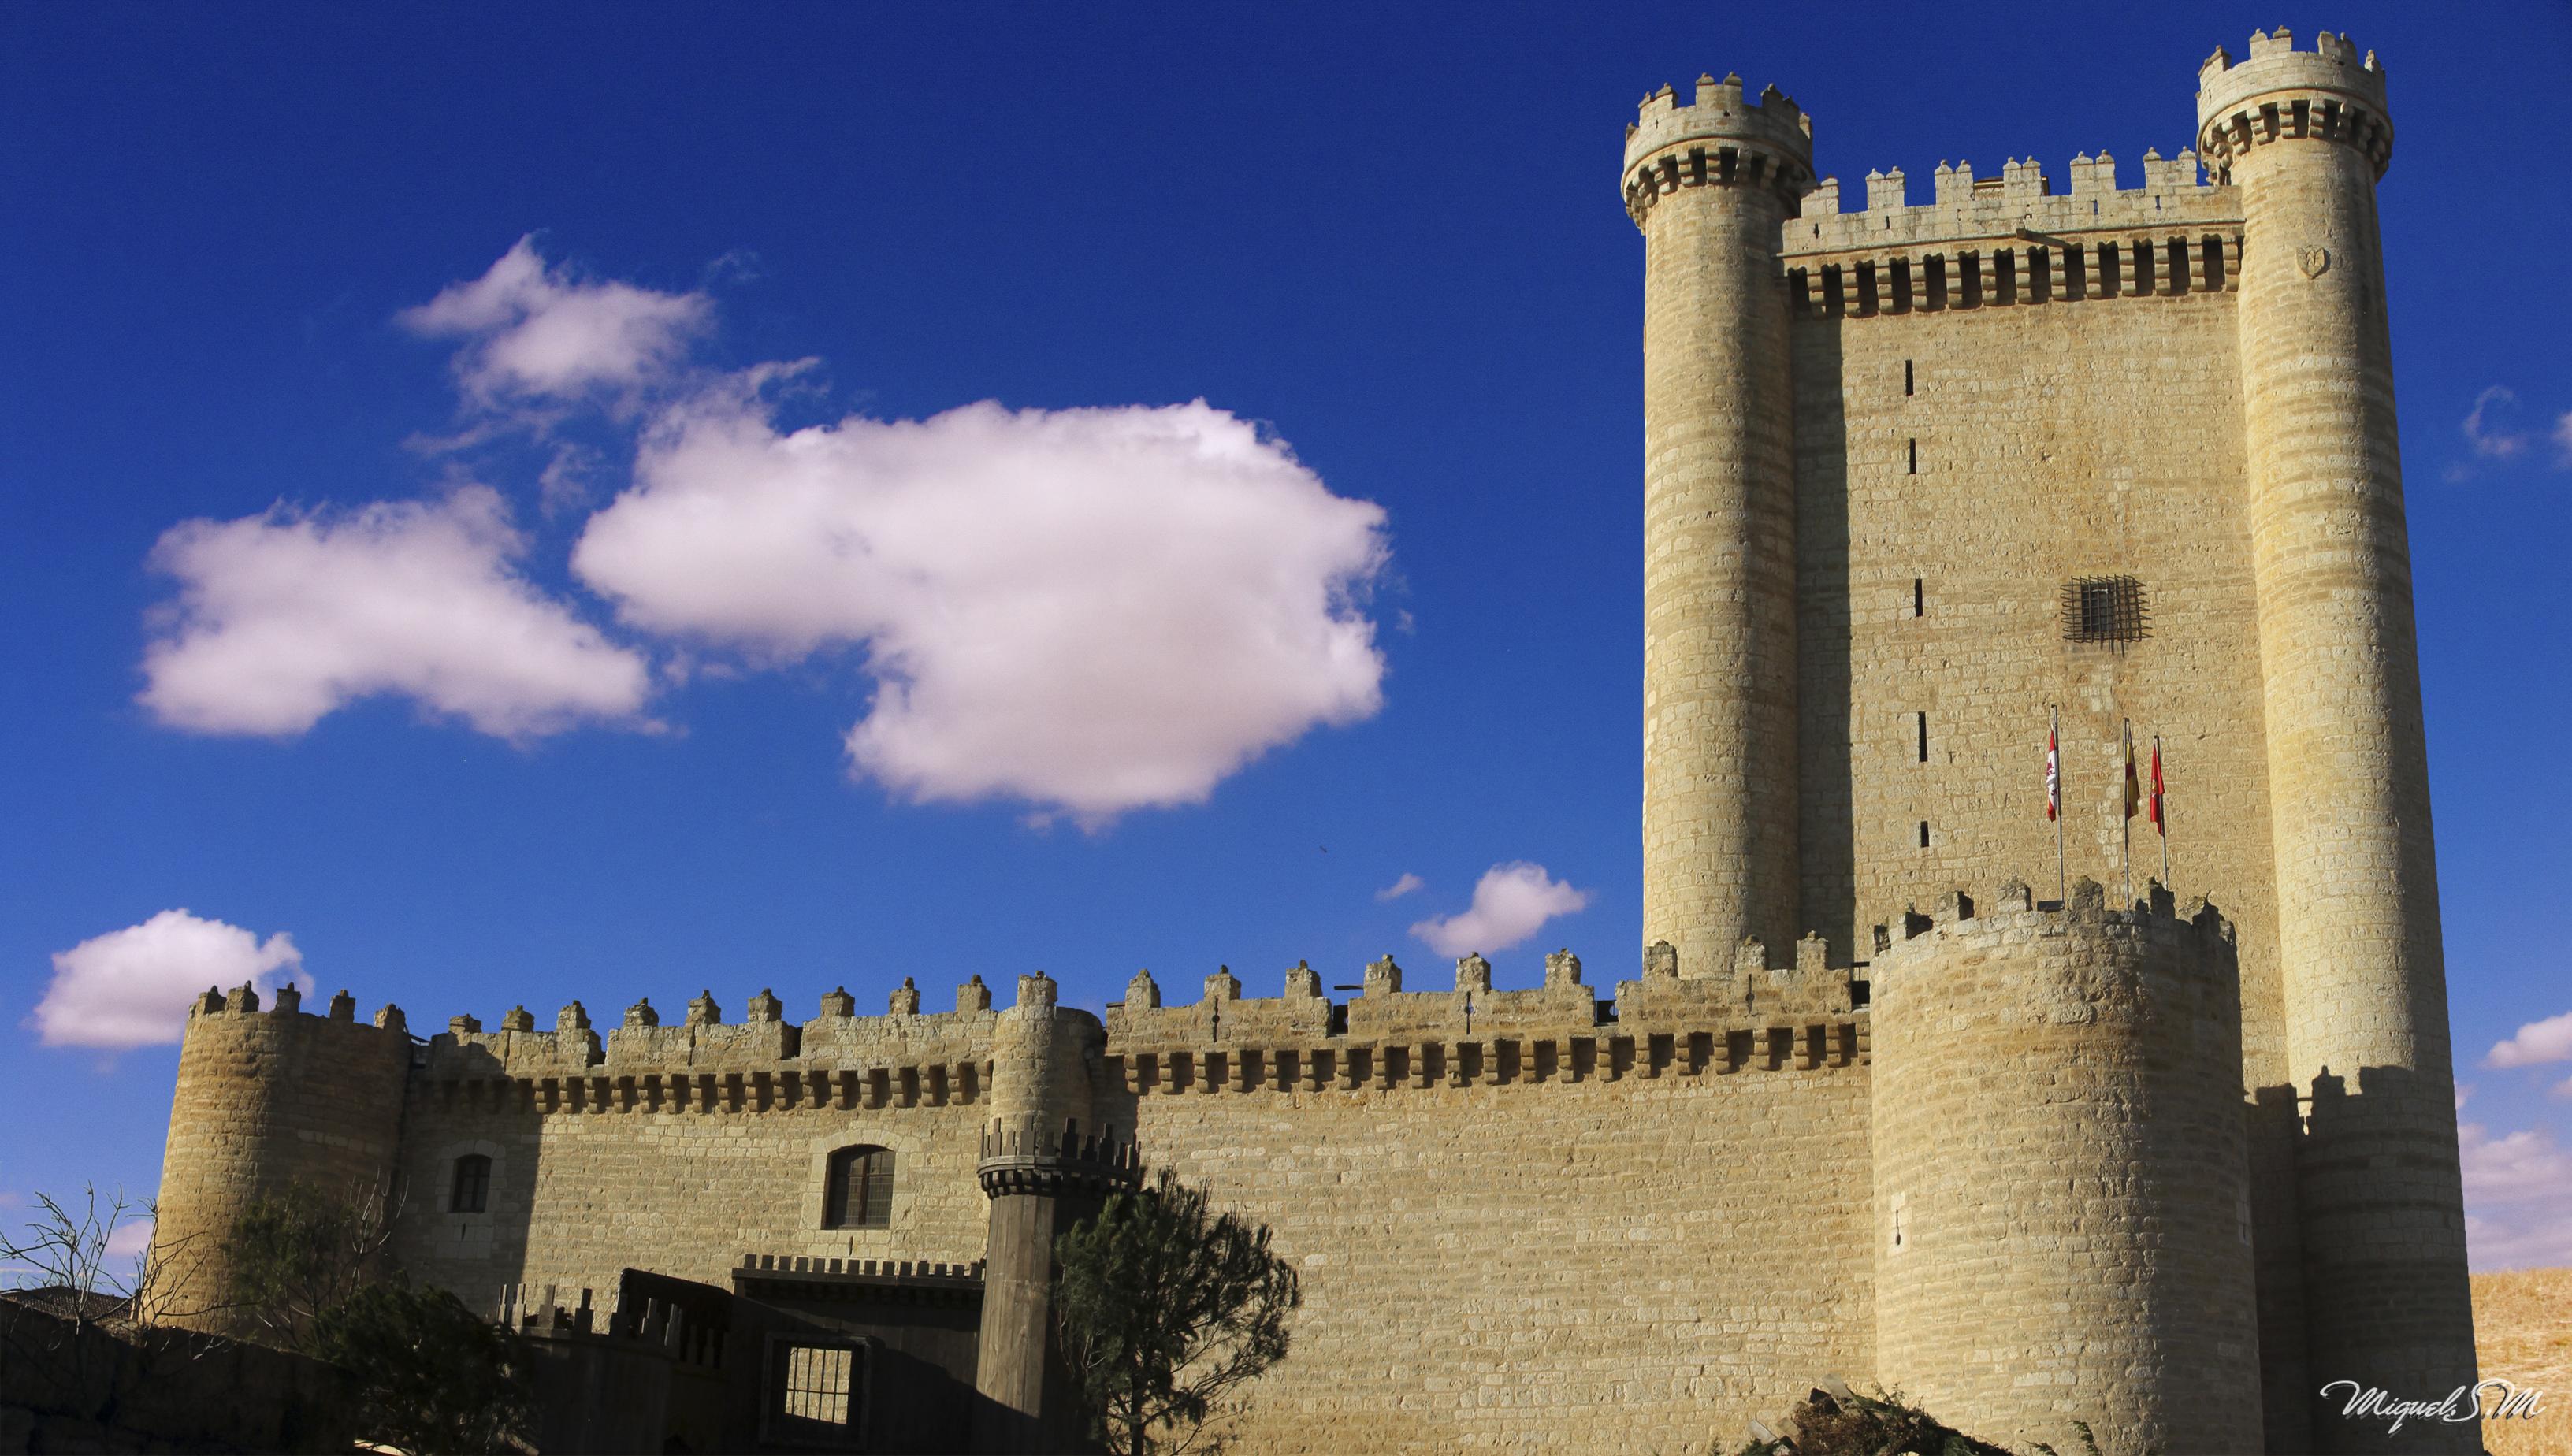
pixel 2524 1334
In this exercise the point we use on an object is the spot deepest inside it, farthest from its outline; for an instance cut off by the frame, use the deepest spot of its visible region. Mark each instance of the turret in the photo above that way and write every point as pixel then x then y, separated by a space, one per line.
pixel 1045 1168
pixel 2062 1196
pixel 1710 184
pixel 2305 135
pixel 268 1099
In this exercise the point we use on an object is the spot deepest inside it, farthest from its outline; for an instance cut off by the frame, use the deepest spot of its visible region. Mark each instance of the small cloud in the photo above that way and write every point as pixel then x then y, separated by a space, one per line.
pixel 130 987
pixel 2563 440
pixel 1511 903
pixel 2517 1188
pixel 2537 1043
pixel 563 484
pixel 534 329
pixel 1399 887
pixel 283 617
pixel 130 1238
pixel 2485 433
pixel 2465 1092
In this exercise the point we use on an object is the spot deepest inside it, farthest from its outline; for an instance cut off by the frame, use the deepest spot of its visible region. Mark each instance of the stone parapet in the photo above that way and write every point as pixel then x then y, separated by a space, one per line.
pixel 2278 94
pixel 1716 140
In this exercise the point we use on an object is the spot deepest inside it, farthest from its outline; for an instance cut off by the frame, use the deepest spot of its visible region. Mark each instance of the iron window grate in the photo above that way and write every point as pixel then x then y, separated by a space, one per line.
pixel 2104 609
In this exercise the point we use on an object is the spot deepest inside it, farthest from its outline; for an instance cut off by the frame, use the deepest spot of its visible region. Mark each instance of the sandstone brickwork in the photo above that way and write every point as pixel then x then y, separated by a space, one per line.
pixel 2062 1223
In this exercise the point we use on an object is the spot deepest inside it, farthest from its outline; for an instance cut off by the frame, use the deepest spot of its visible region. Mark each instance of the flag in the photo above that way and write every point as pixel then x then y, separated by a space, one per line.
pixel 2053 776
pixel 2158 822
pixel 2134 792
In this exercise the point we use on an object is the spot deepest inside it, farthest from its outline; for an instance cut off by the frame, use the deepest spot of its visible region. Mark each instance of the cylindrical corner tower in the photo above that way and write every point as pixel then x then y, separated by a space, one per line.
pixel 2304 136
pixel 2062 1193
pixel 1045 1168
pixel 1710 184
pixel 266 1100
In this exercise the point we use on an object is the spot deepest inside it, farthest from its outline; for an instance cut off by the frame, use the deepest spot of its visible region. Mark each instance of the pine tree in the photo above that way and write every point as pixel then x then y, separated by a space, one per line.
pixel 1165 1306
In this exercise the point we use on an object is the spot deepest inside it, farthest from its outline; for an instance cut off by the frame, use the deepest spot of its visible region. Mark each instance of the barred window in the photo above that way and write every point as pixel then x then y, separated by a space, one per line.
pixel 2103 609
pixel 471 1190
pixel 860 1191
pixel 818 1384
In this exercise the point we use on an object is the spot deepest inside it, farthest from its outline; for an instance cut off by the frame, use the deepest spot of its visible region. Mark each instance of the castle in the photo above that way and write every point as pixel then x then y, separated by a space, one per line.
pixel 1917 476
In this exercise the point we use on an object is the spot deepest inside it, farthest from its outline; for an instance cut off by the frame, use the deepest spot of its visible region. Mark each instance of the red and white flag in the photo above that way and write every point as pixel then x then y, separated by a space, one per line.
pixel 2053 776
pixel 2158 822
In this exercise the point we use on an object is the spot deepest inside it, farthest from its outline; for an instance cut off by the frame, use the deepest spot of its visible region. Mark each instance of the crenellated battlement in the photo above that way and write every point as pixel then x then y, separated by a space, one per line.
pixel 1716 138
pixel 1026 1156
pixel 2188 945
pixel 1742 1017
pixel 2280 93
pixel 243 1001
pixel 2012 240
pixel 904 1059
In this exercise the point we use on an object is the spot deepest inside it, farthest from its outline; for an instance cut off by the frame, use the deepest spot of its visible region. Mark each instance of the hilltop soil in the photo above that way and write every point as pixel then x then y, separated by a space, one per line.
pixel 2523 1333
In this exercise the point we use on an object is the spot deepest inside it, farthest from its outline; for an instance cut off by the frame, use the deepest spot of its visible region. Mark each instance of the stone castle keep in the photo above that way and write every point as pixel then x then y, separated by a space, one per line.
pixel 1915 475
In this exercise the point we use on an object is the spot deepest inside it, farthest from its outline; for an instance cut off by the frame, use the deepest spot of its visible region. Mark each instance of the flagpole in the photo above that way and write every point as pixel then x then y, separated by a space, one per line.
pixel 2054 747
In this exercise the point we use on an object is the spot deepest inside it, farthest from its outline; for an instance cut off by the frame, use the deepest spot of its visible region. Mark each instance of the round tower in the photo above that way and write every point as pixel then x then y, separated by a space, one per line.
pixel 2305 135
pixel 1710 184
pixel 1045 1168
pixel 2062 1192
pixel 268 1099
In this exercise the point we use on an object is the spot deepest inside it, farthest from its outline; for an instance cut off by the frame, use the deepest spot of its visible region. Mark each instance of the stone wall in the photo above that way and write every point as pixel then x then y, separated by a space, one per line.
pixel 680 1148
pixel 2062 1223
pixel 2037 444
pixel 1534 1227
pixel 267 1100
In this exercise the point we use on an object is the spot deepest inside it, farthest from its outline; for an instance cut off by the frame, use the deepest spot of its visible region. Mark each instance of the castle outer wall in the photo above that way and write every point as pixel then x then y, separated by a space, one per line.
pixel 2078 1163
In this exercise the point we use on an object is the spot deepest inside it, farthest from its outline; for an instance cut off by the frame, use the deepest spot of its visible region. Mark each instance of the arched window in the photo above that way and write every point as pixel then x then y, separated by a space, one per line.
pixel 861 1191
pixel 471 1190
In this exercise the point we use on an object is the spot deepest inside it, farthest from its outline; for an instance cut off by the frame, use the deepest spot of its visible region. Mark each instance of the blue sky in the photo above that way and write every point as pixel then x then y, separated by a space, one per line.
pixel 403 298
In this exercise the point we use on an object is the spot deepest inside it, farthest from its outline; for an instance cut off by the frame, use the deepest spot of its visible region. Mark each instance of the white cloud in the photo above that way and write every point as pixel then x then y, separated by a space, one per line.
pixel 2518 1198
pixel 534 329
pixel 1399 887
pixel 2563 439
pixel 1092 610
pixel 2536 1043
pixel 284 616
pixel 130 1238
pixel 2486 436
pixel 130 987
pixel 1511 903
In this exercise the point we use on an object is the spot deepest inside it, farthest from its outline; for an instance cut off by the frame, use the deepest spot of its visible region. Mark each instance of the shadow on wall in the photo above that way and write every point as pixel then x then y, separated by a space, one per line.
pixel 1823 636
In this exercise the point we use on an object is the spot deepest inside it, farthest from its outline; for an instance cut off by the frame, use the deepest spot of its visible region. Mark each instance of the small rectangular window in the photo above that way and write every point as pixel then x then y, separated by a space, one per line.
pixel 1906 376
pixel 1923 717
pixel 1924 833
pixel 1911 448
pixel 1916 597
pixel 471 1190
